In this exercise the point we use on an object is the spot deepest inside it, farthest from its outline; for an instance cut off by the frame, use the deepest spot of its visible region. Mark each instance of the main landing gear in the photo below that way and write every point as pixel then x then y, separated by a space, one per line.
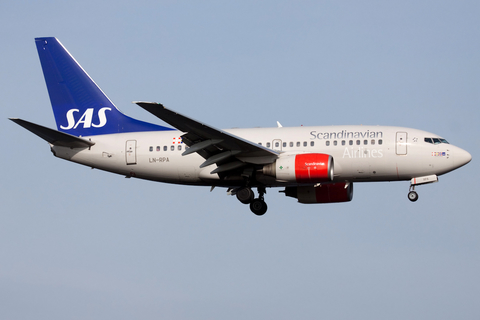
pixel 246 196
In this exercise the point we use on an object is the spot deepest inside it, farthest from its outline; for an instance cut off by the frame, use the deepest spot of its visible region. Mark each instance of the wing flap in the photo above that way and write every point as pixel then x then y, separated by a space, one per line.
pixel 228 166
pixel 200 145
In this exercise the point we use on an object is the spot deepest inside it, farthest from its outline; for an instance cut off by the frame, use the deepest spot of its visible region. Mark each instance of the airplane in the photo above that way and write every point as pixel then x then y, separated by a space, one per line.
pixel 314 164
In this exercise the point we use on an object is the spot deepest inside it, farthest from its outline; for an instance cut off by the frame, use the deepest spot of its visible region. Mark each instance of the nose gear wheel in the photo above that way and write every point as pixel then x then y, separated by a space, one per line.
pixel 412 194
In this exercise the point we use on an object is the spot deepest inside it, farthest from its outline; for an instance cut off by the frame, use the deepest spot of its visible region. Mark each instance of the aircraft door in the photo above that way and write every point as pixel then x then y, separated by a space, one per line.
pixel 277 145
pixel 131 152
pixel 401 146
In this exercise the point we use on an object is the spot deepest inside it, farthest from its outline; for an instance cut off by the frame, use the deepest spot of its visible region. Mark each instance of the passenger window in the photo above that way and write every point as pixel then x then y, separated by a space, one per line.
pixel 298 143
pixel 277 144
pixel 350 142
pixel 312 143
pixel 305 143
pixel 343 142
pixel 165 148
pixel 172 148
pixel 372 142
pixel 260 143
pixel 158 148
pixel 380 141
pixel 327 143
pixel 291 143
pixel 179 147
pixel 335 142
pixel 268 144
pixel 365 141
pixel 358 142
pixel 151 149
pixel 284 144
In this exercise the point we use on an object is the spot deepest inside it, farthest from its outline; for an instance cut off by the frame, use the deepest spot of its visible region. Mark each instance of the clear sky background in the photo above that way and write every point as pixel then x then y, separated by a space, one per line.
pixel 77 243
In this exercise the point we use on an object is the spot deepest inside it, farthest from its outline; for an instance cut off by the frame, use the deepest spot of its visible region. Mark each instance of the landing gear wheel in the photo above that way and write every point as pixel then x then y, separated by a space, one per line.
pixel 245 195
pixel 258 206
pixel 412 196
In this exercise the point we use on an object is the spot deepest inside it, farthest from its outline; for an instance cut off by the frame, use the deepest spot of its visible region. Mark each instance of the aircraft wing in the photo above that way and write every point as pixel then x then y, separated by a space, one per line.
pixel 216 146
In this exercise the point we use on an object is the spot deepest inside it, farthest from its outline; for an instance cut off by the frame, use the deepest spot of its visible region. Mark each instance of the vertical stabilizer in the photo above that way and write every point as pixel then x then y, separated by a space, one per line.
pixel 79 105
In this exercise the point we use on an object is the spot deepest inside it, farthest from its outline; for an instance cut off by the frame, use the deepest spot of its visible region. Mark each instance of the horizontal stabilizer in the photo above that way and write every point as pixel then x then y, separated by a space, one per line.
pixel 54 137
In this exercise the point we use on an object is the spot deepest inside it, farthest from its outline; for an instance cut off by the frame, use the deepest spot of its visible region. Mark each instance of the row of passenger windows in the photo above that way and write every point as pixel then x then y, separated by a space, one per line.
pixel 165 148
pixel 436 140
pixel 291 144
pixel 276 144
pixel 357 142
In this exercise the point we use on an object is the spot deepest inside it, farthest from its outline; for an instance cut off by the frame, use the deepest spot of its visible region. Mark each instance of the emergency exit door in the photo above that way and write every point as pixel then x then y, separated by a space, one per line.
pixel 277 145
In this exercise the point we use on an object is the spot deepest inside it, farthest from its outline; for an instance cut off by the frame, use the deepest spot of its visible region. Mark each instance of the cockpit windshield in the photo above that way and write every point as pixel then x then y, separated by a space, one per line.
pixel 436 140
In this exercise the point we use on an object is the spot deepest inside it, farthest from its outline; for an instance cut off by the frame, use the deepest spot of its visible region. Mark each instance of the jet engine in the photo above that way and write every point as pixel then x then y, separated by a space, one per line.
pixel 326 193
pixel 301 168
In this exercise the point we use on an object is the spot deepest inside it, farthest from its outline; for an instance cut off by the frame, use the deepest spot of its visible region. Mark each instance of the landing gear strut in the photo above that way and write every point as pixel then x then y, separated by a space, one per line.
pixel 246 196
pixel 258 206
pixel 412 194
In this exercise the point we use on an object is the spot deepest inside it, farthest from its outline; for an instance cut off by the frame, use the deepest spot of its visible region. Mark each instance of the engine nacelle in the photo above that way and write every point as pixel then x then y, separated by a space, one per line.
pixel 302 168
pixel 327 193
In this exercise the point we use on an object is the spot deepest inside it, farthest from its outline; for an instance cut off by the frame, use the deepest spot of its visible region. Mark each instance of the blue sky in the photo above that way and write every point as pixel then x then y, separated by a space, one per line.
pixel 77 243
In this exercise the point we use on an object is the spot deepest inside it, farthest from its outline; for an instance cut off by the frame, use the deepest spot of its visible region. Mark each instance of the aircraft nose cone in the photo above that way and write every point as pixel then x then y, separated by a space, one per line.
pixel 462 157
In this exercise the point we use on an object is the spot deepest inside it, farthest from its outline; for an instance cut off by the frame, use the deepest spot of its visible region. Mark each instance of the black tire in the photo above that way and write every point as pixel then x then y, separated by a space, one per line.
pixel 245 195
pixel 258 207
pixel 412 196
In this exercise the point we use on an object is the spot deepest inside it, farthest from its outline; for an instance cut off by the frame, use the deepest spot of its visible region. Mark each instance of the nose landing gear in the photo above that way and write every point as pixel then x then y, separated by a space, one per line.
pixel 412 194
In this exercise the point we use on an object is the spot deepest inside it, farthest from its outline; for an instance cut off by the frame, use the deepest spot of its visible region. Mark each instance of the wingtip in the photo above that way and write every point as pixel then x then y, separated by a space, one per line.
pixel 146 102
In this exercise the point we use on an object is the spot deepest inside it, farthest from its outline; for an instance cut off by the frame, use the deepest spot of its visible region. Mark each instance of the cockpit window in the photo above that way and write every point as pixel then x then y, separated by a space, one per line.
pixel 435 140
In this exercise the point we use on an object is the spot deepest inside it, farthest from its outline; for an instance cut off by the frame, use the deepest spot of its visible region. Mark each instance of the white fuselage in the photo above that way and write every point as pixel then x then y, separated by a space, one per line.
pixel 313 164
pixel 360 153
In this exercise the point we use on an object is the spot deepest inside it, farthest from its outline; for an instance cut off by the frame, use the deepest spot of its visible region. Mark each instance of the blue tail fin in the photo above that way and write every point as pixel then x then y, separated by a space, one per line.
pixel 79 105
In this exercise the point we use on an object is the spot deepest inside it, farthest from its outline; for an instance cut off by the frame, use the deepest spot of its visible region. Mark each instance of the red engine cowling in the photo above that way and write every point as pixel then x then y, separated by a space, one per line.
pixel 327 193
pixel 302 168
